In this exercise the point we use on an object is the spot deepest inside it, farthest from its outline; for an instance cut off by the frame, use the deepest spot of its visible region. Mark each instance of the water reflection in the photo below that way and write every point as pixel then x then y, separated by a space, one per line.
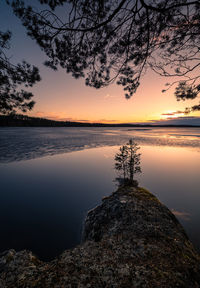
pixel 182 215
pixel 44 201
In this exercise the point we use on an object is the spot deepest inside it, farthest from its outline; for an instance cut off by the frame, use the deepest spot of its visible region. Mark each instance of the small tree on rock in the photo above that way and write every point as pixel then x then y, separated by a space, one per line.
pixel 127 162
pixel 121 161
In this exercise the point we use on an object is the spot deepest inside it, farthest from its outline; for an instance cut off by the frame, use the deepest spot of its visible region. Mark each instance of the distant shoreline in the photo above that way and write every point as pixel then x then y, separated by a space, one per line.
pixel 25 121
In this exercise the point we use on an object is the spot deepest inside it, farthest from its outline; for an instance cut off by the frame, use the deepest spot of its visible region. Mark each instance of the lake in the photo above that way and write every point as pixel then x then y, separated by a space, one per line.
pixel 51 177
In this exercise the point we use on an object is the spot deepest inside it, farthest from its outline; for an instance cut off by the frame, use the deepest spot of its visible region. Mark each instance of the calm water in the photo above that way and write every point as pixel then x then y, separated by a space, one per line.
pixel 51 177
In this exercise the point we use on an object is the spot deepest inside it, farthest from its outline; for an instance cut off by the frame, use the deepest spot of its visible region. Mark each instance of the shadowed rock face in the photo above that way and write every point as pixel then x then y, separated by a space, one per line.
pixel 130 240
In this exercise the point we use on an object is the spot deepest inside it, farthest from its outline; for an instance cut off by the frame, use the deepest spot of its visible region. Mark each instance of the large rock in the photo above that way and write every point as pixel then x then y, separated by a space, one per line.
pixel 130 240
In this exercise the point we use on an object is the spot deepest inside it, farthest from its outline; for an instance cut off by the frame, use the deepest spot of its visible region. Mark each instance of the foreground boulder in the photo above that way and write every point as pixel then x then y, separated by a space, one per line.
pixel 130 240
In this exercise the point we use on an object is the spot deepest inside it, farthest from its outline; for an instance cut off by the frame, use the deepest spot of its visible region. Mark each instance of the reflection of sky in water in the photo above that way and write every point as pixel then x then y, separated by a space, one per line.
pixel 44 200
pixel 182 215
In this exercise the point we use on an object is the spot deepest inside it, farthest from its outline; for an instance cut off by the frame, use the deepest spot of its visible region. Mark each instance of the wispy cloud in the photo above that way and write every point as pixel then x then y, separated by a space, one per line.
pixel 172 113
pixel 92 121
pixel 187 120
pixel 108 96
pixel 50 115
pixel 106 121
pixel 63 117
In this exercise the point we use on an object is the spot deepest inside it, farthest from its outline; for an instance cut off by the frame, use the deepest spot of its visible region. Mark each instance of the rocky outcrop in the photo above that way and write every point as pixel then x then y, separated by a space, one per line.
pixel 130 240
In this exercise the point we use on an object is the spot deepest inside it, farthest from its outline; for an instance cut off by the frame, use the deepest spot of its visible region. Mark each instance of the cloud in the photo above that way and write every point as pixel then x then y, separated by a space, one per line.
pixel 91 121
pixel 172 113
pixel 50 115
pixel 39 114
pixel 106 121
pixel 108 96
pixel 54 116
pixel 185 120
pixel 82 120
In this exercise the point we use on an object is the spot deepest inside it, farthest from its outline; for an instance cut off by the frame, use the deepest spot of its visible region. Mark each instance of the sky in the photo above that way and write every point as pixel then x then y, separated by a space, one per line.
pixel 61 97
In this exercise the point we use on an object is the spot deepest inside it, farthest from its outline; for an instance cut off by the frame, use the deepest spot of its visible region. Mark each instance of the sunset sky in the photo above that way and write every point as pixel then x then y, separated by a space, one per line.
pixel 60 97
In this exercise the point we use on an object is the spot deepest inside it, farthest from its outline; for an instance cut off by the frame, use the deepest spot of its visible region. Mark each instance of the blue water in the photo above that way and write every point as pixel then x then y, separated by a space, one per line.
pixel 51 177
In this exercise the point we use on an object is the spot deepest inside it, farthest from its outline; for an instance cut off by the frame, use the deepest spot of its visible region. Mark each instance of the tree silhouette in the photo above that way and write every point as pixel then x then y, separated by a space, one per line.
pixel 121 161
pixel 110 40
pixel 127 162
pixel 12 76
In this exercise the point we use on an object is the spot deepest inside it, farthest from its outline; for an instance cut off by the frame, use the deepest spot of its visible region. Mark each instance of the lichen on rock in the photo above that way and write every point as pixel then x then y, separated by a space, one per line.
pixel 130 240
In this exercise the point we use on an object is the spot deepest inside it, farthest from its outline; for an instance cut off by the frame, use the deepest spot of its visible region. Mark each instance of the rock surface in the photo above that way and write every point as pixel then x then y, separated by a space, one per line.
pixel 130 240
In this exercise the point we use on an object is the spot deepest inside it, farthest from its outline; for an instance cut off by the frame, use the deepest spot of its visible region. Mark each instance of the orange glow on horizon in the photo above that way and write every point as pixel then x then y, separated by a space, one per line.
pixel 67 99
pixel 149 120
